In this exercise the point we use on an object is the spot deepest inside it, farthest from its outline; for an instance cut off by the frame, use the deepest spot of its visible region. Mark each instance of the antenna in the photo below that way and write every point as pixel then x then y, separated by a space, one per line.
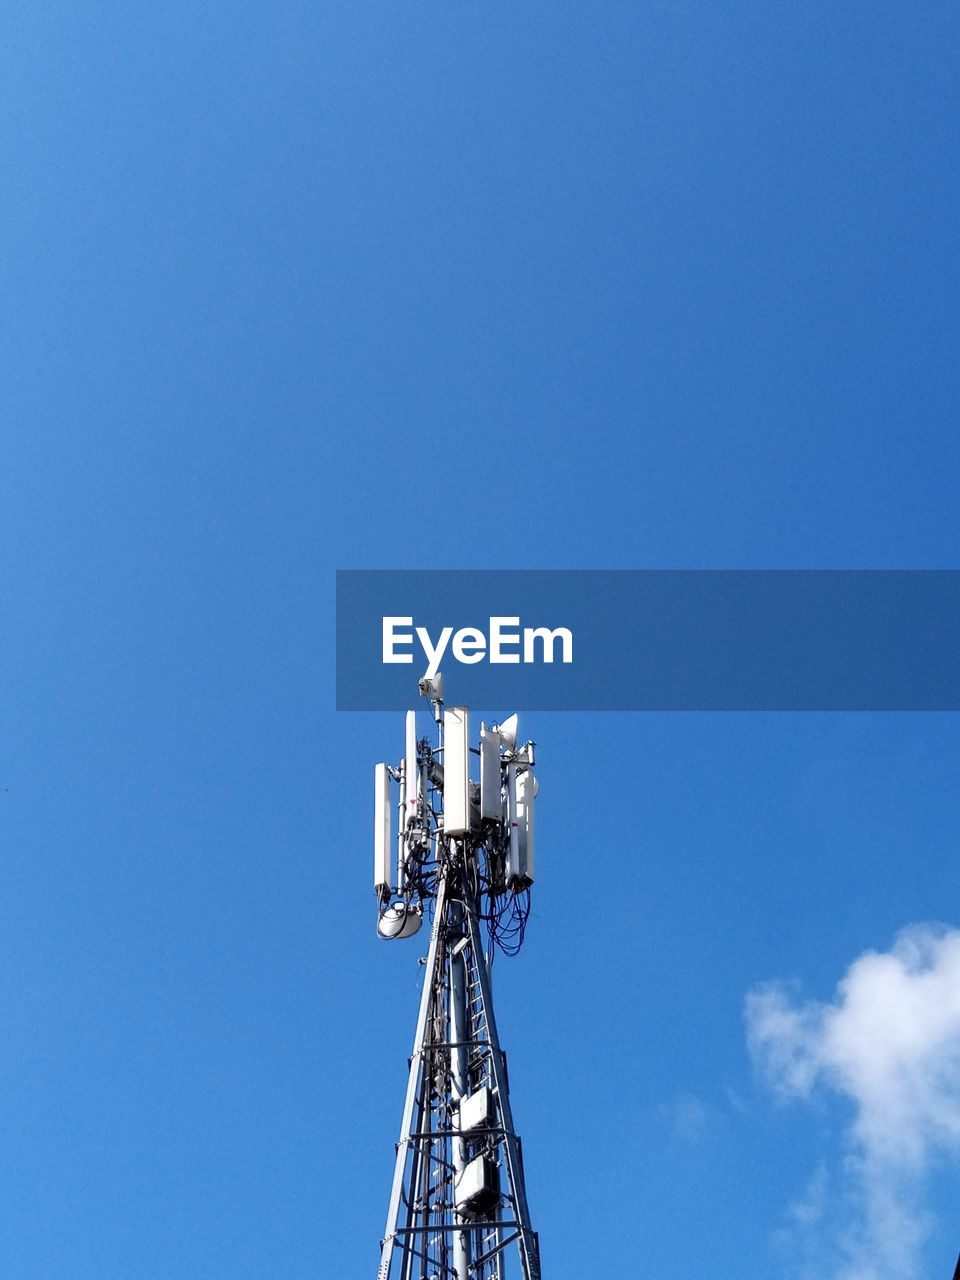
pixel 458 1204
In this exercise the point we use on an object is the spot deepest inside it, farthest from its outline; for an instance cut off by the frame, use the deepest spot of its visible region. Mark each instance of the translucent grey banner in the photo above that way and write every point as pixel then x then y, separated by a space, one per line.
pixel 648 640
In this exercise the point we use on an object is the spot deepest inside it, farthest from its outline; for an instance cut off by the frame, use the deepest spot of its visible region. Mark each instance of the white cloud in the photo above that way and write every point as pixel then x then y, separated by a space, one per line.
pixel 809 1209
pixel 889 1042
pixel 688 1118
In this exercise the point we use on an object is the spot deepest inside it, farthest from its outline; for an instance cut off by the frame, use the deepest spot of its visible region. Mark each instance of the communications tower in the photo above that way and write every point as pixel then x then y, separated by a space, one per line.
pixel 463 854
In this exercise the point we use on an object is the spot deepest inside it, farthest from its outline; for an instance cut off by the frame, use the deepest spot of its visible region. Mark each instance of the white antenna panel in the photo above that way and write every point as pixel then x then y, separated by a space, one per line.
pixel 382 843
pixel 401 833
pixel 490 782
pixel 526 791
pixel 456 771
pixel 411 773
pixel 513 829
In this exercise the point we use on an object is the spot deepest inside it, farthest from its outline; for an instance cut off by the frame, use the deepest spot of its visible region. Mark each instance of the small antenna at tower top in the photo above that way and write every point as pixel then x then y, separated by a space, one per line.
pixel 432 687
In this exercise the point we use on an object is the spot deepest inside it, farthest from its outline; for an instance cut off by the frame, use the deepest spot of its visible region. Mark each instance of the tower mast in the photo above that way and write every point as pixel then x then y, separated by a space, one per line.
pixel 458 1204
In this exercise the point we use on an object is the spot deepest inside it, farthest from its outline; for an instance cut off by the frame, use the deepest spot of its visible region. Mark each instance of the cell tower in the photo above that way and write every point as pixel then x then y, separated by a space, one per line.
pixel 464 853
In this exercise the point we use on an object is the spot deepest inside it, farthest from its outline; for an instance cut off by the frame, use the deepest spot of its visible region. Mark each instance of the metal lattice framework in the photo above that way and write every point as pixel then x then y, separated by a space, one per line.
pixel 458 1205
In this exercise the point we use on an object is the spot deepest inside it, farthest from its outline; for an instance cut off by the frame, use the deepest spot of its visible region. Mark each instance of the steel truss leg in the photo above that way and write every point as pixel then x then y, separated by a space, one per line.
pixel 417 1066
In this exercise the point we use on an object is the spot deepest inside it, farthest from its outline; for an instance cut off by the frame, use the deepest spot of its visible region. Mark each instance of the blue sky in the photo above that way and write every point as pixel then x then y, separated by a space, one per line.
pixel 652 285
